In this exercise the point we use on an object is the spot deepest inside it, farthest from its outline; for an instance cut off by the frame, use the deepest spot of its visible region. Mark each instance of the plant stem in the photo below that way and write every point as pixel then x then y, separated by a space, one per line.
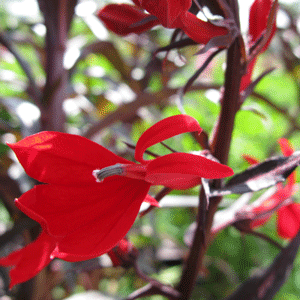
pixel 58 16
pixel 230 103
pixel 220 146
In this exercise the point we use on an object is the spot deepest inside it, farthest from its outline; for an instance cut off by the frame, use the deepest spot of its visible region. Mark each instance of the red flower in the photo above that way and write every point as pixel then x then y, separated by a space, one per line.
pixel 30 260
pixel 264 211
pixel 258 19
pixel 123 19
pixel 250 159
pixel 288 216
pixel 84 218
pixel 288 220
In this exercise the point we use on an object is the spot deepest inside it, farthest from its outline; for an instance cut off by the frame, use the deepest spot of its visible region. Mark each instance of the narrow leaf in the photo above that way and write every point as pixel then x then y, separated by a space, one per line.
pixel 250 88
pixel 261 176
pixel 265 286
pixel 198 73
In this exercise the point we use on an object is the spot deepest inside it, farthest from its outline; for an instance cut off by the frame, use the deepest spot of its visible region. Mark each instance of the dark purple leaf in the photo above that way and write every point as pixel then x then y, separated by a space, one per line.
pixel 203 207
pixel 197 74
pixel 144 21
pixel 265 286
pixel 260 176
pixel 176 45
pixel 223 41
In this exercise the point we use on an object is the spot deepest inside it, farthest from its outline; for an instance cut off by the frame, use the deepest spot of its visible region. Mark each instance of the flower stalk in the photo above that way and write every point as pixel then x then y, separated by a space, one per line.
pixel 221 145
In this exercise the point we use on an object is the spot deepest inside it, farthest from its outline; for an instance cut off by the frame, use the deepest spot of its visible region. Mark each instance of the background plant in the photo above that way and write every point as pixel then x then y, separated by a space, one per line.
pixel 78 78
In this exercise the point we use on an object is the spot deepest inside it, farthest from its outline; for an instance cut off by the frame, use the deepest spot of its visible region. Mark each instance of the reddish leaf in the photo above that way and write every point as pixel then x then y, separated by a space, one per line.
pixel 258 19
pixel 119 18
pixel 167 11
pixel 200 31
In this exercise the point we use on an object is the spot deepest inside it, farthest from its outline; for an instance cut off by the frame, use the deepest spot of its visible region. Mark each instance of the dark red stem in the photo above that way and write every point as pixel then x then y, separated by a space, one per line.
pixel 57 15
pixel 220 146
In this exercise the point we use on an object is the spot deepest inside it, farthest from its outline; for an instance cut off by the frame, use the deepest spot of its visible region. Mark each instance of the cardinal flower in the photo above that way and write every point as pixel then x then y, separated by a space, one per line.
pixel 123 19
pixel 258 22
pixel 82 216
pixel 288 215
pixel 30 260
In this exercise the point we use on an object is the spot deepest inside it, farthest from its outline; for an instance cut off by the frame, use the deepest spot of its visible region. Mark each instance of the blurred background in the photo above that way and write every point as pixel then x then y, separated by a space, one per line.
pixel 81 79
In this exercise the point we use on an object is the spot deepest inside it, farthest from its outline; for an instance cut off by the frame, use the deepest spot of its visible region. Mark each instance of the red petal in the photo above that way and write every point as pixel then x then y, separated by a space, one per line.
pixel 91 220
pixel 250 159
pixel 288 221
pixel 30 260
pixel 119 18
pixel 102 234
pixel 278 197
pixel 286 147
pixel 62 158
pixel 198 30
pixel 258 17
pixel 152 201
pixel 163 130
pixel 183 170
pixel 167 11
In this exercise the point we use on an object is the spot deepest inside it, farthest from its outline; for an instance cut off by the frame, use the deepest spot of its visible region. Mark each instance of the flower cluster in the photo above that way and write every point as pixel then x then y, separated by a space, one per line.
pixel 288 212
pixel 82 218
pixel 123 19
pixel 258 26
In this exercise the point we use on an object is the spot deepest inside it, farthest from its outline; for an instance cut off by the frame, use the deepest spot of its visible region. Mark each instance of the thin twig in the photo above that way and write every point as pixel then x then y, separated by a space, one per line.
pixel 266 238
pixel 153 288
pixel 36 93
pixel 165 191
pixel 146 151
pixel 168 147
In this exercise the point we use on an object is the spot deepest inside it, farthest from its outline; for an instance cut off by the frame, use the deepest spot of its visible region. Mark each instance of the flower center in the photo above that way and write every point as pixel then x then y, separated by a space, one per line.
pixel 134 171
pixel 117 169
